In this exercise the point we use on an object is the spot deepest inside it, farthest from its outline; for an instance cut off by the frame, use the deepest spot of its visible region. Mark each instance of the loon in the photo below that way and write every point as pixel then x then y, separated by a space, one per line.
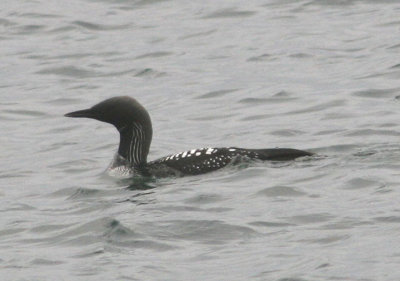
pixel 134 125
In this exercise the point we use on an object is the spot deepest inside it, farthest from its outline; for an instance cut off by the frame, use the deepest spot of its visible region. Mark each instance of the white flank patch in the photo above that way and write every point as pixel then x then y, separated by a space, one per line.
pixel 209 150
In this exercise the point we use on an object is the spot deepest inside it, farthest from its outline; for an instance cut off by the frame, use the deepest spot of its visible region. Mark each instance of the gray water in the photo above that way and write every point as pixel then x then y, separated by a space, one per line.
pixel 319 75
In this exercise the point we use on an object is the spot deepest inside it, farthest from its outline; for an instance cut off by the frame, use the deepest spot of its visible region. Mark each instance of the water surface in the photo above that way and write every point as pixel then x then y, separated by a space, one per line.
pixel 318 75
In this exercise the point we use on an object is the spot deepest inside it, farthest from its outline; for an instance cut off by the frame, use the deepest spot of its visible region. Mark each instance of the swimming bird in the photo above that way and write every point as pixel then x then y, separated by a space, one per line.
pixel 134 125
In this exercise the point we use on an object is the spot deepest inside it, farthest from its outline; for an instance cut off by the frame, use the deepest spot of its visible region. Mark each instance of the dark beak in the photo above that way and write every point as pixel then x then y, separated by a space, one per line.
pixel 86 113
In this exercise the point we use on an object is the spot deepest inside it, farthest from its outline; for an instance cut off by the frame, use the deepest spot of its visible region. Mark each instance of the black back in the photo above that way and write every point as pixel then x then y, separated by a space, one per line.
pixel 204 160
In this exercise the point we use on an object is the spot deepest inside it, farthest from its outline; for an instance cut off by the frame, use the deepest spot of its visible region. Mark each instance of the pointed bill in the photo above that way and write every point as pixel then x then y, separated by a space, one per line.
pixel 86 113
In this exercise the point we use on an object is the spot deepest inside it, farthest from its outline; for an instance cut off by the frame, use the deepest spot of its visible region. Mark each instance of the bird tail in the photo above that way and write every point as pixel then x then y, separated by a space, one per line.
pixel 279 154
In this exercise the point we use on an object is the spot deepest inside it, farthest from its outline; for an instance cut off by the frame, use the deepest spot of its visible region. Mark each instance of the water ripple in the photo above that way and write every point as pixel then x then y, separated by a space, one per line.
pixel 205 231
pixel 281 191
pixel 230 13
pixel 99 27
pixel 377 93
pixel 217 94
pixel 314 74
pixel 81 73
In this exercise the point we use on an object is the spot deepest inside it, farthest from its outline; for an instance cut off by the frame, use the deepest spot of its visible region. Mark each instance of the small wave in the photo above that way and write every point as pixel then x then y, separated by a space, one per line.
pixel 18 114
pixel 202 199
pixel 319 107
pixel 388 219
pixel 281 191
pixel 30 29
pixel 310 218
pixel 271 224
pixel 81 73
pixel 84 234
pixel 287 133
pixel 376 93
pixel 39 15
pixel 372 132
pixel 149 73
pixel 154 55
pixel 261 58
pixel 327 240
pixel 40 261
pixel 63 101
pixel 199 34
pixel 99 27
pixel 69 71
pixel 278 97
pixel 6 23
pixel 358 183
pixel 84 193
pixel 216 94
pixel 229 13
pixel 205 231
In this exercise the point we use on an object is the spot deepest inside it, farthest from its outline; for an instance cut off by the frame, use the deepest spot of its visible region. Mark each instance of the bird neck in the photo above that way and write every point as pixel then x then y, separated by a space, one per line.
pixel 134 143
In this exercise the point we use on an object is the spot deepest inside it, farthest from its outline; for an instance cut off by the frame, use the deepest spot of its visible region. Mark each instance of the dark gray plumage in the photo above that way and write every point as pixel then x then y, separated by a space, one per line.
pixel 134 125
